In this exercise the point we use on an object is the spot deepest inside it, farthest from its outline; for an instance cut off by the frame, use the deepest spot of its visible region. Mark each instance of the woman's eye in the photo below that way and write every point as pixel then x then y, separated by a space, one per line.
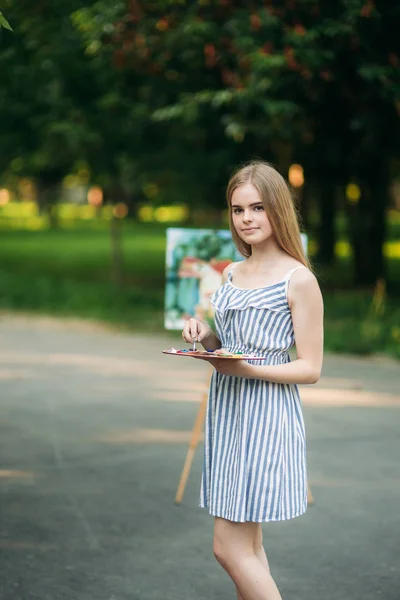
pixel 236 211
pixel 258 208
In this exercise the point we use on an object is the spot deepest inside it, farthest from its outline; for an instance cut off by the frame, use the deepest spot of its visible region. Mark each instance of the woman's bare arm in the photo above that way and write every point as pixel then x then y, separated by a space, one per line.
pixel 306 305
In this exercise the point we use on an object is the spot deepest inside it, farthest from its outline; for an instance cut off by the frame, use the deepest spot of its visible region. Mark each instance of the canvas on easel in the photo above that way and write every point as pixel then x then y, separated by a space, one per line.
pixel 195 260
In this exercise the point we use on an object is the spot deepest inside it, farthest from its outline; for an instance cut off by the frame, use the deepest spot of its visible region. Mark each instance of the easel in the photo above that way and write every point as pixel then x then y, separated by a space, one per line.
pixel 193 443
pixel 194 440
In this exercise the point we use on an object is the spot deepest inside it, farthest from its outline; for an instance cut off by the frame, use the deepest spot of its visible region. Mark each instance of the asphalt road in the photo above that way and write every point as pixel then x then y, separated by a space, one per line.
pixel 94 430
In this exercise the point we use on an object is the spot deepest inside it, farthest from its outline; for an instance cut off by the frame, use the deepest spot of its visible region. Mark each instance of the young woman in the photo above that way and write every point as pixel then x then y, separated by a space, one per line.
pixel 255 450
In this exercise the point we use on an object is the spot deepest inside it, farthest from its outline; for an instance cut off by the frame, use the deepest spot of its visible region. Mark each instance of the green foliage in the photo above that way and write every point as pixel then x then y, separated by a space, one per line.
pixel 42 122
pixel 4 23
pixel 60 107
pixel 351 327
pixel 196 50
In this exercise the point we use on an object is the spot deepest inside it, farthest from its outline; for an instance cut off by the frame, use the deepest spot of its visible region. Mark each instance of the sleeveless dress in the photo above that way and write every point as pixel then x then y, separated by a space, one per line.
pixel 254 439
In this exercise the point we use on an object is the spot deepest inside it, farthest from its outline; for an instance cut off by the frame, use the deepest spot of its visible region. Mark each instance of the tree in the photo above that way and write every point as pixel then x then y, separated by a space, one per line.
pixel 59 108
pixel 40 95
pixel 288 80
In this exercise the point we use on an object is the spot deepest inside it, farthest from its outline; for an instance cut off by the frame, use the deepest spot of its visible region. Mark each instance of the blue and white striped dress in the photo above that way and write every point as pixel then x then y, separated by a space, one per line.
pixel 254 448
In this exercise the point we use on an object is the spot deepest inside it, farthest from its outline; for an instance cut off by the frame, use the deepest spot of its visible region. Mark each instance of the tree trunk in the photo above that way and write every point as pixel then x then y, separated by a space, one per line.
pixel 326 231
pixel 367 226
pixel 112 194
pixel 117 262
pixel 47 199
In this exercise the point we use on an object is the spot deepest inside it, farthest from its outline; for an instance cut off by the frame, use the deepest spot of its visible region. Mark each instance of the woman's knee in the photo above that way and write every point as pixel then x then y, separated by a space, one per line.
pixel 231 558
pixel 220 552
pixel 232 544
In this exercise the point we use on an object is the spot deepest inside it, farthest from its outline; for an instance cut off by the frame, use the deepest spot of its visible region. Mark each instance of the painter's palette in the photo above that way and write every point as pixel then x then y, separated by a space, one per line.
pixel 211 354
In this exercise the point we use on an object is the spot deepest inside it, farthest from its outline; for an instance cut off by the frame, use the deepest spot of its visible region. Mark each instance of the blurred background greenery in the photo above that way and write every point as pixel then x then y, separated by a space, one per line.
pixel 121 119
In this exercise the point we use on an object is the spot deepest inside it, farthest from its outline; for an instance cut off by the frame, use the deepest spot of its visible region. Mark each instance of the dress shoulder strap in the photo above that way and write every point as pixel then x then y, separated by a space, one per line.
pixel 231 270
pixel 288 276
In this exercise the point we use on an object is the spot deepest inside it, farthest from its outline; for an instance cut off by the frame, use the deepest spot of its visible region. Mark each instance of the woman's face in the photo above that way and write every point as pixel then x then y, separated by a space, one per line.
pixel 248 215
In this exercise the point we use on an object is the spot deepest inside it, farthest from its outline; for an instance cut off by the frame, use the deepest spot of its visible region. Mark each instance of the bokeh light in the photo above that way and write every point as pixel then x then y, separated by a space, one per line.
pixel 353 193
pixel 120 210
pixel 296 175
pixel 95 196
pixel 4 197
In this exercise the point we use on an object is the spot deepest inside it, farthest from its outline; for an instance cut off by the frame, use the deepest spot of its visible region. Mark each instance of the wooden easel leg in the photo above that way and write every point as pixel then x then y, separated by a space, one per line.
pixel 310 497
pixel 194 440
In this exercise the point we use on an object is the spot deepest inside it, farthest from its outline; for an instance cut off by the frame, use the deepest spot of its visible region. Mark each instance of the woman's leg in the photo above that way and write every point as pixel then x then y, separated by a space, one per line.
pixel 259 551
pixel 234 550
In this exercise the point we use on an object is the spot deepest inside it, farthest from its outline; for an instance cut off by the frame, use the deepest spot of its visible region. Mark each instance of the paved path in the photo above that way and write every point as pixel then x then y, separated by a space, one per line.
pixel 94 429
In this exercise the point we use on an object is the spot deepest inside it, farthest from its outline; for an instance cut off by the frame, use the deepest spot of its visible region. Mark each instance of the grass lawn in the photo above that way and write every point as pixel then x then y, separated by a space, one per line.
pixel 68 272
pixel 85 254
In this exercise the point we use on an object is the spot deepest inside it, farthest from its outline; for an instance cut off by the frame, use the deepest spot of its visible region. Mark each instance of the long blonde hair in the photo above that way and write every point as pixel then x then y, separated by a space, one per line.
pixel 277 200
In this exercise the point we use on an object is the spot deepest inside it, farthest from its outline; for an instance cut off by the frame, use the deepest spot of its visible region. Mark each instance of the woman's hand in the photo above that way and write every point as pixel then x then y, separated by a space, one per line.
pixel 195 331
pixel 233 368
